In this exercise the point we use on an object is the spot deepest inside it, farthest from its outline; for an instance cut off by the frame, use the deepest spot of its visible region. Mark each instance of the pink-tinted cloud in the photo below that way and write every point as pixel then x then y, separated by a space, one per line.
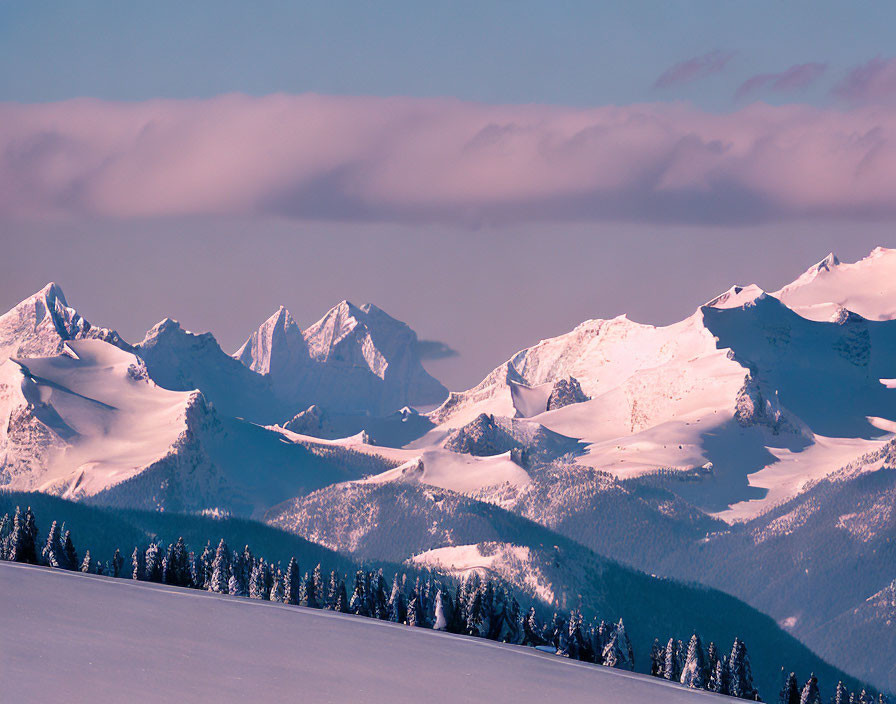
pixel 872 82
pixel 796 78
pixel 693 69
pixel 407 160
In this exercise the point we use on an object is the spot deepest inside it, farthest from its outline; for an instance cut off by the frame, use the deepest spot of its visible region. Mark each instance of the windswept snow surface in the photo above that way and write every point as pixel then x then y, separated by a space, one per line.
pixel 867 287
pixel 82 421
pixel 747 399
pixel 79 638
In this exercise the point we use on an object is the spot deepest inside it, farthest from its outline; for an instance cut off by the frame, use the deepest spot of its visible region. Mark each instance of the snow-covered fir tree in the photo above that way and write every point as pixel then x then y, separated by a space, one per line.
pixel 68 548
pixel 398 611
pixel 810 693
pixel 277 594
pixel 790 691
pixel 138 565
pixel 358 604
pixel 22 539
pixel 87 565
pixel 153 566
pixel 441 620
pixel 52 555
pixel 117 563
pixel 220 577
pixel 256 581
pixel 291 584
pixel 693 674
pixel 740 675
pixel 841 695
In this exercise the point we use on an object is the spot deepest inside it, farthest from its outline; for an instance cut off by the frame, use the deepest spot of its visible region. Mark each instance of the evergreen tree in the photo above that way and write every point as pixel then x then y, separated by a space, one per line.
pixel 203 576
pixel 238 584
pixel 22 546
pixel 613 655
pixel 670 661
pixel 380 605
pixel 341 605
pixel 531 629
pixel 138 565
pixel 712 657
pixel 398 612
pixel 790 692
pixel 359 603
pixel 71 555
pixel 657 659
pixel 312 589
pixel 87 564
pixel 474 613
pixel 739 672
pixel 865 698
pixel 176 567
pixel 413 608
pixel 256 581
pixel 332 590
pixel 693 674
pixel 443 611
pixel 719 681
pixel 153 565
pixel 810 693
pixel 316 589
pixel 277 587
pixel 52 555
pixel 117 564
pixel 291 585
pixel 5 528
pixel 575 641
pixel 220 578
pixel 841 696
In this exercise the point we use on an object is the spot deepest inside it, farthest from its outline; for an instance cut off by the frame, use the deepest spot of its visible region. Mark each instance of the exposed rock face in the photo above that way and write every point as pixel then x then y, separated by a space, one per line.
pixel 565 393
pixel 356 359
pixel 40 325
pixel 481 438
pixel 313 421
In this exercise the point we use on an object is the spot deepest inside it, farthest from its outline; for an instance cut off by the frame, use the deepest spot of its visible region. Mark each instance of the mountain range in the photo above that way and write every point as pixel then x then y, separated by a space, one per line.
pixel 748 447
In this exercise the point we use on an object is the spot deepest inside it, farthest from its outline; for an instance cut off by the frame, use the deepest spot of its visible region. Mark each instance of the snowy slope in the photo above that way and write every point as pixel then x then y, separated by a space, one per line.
pixel 90 424
pixel 867 287
pixel 149 643
pixel 40 325
pixel 748 396
pixel 354 359
pixel 181 360
pixel 78 422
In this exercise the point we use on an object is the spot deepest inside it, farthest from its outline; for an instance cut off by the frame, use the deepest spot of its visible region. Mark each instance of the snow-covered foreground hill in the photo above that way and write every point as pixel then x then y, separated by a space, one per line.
pixel 79 638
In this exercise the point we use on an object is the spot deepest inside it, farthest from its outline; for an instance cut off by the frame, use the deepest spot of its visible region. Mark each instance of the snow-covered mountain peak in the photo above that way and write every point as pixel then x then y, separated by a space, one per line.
pixel 737 297
pixel 41 324
pixel 277 347
pixel 866 287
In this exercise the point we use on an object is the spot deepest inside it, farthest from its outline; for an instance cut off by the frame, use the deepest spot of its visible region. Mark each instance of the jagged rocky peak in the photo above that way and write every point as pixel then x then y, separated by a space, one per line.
pixel 41 324
pixel 737 297
pixel 482 437
pixel 566 392
pixel 313 421
pixel 276 347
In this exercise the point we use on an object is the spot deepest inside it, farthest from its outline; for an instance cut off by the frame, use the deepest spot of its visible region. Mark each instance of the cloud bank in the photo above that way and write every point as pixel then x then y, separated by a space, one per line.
pixel 871 82
pixel 795 78
pixel 409 160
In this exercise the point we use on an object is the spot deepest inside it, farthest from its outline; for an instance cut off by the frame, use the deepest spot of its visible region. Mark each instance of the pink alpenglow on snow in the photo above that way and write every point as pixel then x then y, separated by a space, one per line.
pixel 411 160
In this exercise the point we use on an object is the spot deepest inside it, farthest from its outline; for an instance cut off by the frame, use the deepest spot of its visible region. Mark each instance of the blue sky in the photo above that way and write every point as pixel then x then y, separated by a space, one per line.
pixel 572 53
pixel 478 220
